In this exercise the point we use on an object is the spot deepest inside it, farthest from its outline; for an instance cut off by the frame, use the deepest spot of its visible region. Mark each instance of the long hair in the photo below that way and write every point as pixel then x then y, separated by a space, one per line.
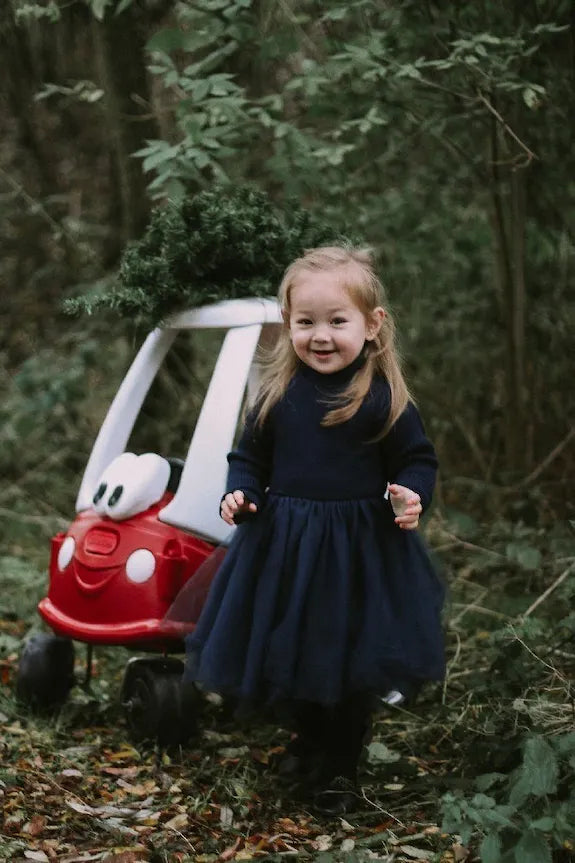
pixel 353 270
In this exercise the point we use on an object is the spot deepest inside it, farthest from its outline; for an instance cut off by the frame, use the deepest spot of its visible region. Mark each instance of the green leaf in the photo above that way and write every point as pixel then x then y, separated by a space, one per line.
pixel 545 824
pixel 525 555
pixel 99 8
pixel 335 14
pixel 490 849
pixel 540 767
pixel 379 753
pixel 531 98
pixel 488 780
pixel 532 848
pixel 162 154
pixel 122 6
pixel 169 39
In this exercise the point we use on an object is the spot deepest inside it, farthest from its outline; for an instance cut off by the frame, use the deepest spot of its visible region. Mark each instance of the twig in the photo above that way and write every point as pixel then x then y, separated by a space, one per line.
pixel 470 546
pixel 538 658
pixel 186 840
pixel 529 153
pixel 381 809
pixel 36 206
pixel 450 665
pixel 466 608
pixel 549 590
pixel 480 609
pixel 546 461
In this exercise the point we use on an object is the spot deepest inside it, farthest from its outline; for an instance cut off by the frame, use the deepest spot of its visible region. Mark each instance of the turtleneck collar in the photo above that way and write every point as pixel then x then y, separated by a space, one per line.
pixel 343 376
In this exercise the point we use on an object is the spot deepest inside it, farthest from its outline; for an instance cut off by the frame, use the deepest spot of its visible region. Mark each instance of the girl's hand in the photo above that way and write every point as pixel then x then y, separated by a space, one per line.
pixel 235 503
pixel 406 505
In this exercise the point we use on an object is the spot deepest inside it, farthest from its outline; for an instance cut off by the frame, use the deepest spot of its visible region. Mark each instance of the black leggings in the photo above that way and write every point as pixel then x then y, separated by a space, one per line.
pixel 336 733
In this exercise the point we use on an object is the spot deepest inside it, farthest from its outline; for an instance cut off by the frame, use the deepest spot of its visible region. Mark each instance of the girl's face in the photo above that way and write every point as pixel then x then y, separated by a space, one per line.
pixel 327 329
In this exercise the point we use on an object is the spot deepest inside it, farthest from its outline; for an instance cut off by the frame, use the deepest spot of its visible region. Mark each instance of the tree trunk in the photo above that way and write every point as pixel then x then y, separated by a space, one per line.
pixel 119 46
pixel 508 221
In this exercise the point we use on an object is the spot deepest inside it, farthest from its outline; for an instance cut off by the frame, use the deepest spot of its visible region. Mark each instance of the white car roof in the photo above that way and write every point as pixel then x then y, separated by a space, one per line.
pixel 227 314
pixel 195 506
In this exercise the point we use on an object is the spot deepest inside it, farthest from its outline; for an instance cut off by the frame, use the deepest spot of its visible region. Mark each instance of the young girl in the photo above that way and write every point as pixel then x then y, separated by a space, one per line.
pixel 326 596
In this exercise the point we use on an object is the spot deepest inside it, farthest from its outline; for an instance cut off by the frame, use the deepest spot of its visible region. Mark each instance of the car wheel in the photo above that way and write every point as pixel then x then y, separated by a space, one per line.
pixel 159 707
pixel 45 672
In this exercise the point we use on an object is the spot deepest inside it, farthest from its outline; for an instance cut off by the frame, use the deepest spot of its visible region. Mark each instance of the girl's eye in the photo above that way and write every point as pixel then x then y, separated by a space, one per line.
pixel 304 322
pixel 338 321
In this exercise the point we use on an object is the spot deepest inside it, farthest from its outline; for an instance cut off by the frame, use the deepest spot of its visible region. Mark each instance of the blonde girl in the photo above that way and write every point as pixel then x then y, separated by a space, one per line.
pixel 326 598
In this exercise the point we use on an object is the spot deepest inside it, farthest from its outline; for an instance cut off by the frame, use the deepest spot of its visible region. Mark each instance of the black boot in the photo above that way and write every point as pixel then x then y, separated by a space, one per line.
pixel 340 796
pixel 339 792
pixel 304 756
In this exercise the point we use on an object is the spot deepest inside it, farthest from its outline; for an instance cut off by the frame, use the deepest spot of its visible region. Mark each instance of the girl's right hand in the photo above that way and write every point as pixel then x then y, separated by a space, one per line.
pixel 235 503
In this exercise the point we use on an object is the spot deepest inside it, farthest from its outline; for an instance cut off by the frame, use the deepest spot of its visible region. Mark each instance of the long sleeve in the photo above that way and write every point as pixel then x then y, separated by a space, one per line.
pixel 250 462
pixel 409 456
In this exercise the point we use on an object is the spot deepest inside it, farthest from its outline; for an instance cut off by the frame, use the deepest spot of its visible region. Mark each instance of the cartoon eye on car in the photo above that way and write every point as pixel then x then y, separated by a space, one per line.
pixel 144 526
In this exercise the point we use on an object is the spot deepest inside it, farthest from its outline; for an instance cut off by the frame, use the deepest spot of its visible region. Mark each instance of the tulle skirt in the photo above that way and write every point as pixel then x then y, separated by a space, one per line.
pixel 316 600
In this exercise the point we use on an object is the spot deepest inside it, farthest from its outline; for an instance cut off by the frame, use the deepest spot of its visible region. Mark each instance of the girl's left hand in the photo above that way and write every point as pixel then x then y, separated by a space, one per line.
pixel 406 505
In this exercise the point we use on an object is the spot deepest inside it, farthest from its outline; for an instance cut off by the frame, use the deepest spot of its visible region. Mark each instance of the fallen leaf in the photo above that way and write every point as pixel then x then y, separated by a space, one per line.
pixel 37 855
pixel 127 856
pixel 226 816
pixel 322 843
pixel 416 853
pixel 178 822
pixel 379 753
pixel 35 826
pixel 133 770
pixel 231 852
pixel 126 753
pixel 233 751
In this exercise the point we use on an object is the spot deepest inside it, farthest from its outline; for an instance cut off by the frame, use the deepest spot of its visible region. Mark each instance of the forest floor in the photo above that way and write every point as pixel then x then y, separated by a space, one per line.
pixel 75 788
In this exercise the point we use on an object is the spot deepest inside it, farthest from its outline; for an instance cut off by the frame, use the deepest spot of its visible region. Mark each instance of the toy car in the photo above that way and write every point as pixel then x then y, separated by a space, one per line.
pixel 144 526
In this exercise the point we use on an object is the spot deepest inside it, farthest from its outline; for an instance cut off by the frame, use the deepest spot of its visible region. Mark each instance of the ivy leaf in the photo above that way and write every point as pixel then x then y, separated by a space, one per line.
pixel 532 848
pixel 488 780
pixel 490 849
pixel 540 766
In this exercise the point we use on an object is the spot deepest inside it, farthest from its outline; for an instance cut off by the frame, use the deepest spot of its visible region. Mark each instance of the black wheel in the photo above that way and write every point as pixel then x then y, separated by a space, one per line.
pixel 45 672
pixel 159 706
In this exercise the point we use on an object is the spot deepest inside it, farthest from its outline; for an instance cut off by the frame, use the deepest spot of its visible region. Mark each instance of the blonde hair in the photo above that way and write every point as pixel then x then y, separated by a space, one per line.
pixel 354 271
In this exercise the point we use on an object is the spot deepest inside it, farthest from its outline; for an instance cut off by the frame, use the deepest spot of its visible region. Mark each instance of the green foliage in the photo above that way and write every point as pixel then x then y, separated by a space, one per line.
pixel 25 11
pixel 219 244
pixel 525 815
pixel 390 112
pixel 22 586
pixel 81 91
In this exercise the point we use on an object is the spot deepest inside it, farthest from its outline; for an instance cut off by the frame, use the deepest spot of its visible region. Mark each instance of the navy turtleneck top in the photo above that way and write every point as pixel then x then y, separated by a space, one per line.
pixel 293 454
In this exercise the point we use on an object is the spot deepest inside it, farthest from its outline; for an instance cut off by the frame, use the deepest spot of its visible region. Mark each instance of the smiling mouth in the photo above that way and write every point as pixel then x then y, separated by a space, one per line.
pixel 322 354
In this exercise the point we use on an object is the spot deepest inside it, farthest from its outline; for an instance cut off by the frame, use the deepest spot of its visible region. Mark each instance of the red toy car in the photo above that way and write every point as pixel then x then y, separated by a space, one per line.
pixel 144 525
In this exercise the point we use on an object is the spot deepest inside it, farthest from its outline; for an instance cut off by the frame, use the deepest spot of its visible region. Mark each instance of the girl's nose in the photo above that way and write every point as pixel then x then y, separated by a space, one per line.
pixel 320 334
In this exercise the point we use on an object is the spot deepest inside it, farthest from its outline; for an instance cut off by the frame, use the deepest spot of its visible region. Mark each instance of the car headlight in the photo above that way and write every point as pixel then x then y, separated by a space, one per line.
pixel 140 565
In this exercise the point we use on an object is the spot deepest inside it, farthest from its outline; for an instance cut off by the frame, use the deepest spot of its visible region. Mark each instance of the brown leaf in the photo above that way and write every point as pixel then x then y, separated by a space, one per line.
pixel 133 770
pixel 126 856
pixel 35 826
pixel 231 852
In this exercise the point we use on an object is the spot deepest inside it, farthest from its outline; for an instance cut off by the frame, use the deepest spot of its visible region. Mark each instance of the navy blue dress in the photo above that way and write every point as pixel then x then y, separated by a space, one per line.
pixel 320 594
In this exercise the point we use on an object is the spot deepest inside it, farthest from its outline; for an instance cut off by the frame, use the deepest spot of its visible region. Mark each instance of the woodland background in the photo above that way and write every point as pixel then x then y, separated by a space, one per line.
pixel 442 133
